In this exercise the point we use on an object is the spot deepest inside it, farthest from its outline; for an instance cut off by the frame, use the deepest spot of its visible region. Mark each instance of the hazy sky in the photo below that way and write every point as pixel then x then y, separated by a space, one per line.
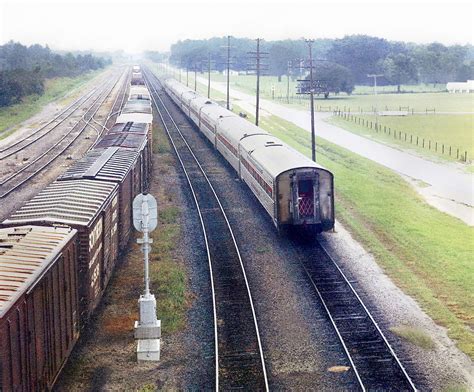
pixel 156 24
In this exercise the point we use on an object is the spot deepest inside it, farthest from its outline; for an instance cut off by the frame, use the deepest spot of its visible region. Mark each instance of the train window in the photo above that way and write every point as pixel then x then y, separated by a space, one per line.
pixel 305 186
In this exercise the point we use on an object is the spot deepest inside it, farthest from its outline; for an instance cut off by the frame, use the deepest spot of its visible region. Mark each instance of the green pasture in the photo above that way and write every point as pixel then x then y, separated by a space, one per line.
pixel 432 131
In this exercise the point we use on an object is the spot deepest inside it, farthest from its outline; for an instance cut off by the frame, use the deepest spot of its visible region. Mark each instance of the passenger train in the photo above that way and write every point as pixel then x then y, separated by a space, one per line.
pixel 294 190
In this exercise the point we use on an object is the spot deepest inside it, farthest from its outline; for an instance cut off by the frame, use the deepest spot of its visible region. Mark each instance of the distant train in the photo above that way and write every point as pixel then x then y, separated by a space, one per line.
pixel 294 190
pixel 58 251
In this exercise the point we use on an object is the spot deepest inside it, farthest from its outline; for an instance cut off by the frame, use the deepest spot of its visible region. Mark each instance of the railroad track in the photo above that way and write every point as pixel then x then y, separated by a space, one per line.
pixel 373 360
pixel 113 112
pixel 239 359
pixel 45 129
pixel 47 157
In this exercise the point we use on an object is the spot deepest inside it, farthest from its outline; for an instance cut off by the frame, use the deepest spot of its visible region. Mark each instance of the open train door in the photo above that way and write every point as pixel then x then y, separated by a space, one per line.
pixel 305 198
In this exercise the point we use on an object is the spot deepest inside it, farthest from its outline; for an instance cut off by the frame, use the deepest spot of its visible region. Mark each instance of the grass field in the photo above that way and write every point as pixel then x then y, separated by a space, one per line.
pixel 426 252
pixel 451 130
pixel 55 88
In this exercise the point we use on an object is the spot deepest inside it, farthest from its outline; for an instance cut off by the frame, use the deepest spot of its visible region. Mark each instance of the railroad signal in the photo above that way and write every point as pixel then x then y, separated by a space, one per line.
pixel 148 328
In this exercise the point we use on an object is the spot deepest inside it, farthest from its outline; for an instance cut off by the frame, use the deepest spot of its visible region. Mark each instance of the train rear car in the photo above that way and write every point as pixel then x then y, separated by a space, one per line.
pixel 39 306
pixel 301 191
pixel 89 207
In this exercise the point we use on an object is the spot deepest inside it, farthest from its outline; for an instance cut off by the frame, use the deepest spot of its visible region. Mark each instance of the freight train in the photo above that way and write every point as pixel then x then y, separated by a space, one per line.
pixel 295 191
pixel 58 251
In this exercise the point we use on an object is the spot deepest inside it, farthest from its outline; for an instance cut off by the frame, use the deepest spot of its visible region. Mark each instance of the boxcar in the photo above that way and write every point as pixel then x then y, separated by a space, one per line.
pixel 39 315
pixel 90 207
pixel 139 92
pixel 134 141
pixel 137 78
pixel 118 165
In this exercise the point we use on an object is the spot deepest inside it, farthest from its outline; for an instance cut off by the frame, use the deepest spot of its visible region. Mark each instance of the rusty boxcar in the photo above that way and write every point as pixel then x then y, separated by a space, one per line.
pixel 132 141
pixel 39 314
pixel 118 165
pixel 89 206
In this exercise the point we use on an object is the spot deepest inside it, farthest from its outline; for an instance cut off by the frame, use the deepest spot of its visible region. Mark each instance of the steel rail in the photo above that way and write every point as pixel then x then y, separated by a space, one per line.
pixel 30 142
pixel 208 182
pixel 47 163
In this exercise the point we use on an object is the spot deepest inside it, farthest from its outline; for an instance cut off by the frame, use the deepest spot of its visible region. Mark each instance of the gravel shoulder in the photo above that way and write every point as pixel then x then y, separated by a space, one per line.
pixel 445 366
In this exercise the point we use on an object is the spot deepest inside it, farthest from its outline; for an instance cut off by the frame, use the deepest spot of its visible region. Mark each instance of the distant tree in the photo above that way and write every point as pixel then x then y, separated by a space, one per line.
pixel 23 69
pixel 361 54
pixel 280 54
pixel 399 69
pixel 330 78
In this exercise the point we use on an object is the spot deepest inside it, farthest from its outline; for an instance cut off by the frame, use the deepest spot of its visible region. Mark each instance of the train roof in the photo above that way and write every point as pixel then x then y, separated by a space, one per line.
pixel 25 253
pixel 274 155
pixel 133 127
pixel 139 89
pixel 75 202
pixel 135 117
pixel 107 164
pixel 137 106
pixel 235 128
pixel 178 87
pixel 135 141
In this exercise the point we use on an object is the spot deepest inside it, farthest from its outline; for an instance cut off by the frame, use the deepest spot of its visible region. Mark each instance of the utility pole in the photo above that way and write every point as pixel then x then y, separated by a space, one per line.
pixel 375 76
pixel 195 78
pixel 228 72
pixel 288 83
pixel 258 56
pixel 209 75
pixel 311 97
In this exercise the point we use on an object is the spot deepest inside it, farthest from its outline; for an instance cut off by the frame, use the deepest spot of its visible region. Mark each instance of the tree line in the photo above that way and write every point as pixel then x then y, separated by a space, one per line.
pixel 339 63
pixel 23 69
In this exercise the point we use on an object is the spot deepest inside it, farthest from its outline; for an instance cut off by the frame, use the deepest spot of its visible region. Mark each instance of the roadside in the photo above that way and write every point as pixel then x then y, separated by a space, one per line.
pixel 58 92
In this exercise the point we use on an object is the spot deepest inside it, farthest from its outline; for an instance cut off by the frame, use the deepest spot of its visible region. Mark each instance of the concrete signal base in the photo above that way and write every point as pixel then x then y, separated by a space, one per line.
pixel 148 330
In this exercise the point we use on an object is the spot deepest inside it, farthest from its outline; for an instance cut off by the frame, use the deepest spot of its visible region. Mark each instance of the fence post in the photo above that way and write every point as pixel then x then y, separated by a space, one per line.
pixel 405 136
pixel 465 156
pixel 443 149
pixel 371 125
pixel 457 154
pixel 417 140
pixel 449 150
pixel 436 146
pixel 423 143
pixel 411 139
pixel 429 144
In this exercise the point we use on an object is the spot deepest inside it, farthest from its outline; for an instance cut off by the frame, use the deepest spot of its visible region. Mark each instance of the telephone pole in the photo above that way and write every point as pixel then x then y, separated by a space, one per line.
pixel 228 72
pixel 258 56
pixel 375 76
pixel 288 83
pixel 195 78
pixel 311 97
pixel 209 75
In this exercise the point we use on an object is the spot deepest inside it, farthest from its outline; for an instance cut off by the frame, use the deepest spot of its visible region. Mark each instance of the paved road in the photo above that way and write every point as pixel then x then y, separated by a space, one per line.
pixel 451 190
